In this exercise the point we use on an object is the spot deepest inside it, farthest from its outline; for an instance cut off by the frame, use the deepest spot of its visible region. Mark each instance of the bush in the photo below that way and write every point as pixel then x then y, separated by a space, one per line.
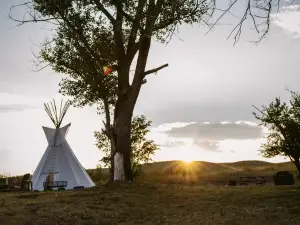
pixel 283 178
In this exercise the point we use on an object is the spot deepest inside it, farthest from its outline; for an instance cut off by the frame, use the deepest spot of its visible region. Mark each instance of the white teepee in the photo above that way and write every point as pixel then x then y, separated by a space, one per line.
pixel 59 159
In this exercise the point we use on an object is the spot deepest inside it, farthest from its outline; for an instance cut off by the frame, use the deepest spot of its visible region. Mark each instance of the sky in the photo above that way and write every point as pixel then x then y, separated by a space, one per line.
pixel 200 106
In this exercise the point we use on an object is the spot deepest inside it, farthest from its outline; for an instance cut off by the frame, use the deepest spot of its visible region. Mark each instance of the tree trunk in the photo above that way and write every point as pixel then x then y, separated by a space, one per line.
pixel 122 155
pixel 297 164
pixel 110 135
pixel 112 145
pixel 127 96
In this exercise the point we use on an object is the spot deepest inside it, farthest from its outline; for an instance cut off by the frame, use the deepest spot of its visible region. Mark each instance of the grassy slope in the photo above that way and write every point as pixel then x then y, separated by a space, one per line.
pixel 161 202
pixel 206 172
pixel 154 204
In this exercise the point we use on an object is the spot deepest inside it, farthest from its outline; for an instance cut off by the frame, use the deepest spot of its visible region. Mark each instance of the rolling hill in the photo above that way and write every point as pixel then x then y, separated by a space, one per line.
pixel 200 172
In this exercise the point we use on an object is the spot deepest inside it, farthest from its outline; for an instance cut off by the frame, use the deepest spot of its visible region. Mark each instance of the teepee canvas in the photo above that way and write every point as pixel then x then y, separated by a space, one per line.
pixel 59 165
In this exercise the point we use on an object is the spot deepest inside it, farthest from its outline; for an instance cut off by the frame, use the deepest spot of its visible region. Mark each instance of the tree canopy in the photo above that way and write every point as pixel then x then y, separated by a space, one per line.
pixel 283 122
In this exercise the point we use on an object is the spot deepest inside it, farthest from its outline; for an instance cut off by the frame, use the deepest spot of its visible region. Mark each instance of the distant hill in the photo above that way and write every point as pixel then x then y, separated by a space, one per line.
pixel 209 167
pixel 204 172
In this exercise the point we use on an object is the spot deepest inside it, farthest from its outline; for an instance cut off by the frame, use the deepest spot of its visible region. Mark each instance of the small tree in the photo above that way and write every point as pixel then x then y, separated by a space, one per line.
pixel 142 149
pixel 283 121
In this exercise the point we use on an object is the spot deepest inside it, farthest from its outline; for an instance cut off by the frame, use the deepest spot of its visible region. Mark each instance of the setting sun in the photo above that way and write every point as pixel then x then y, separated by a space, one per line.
pixel 187 161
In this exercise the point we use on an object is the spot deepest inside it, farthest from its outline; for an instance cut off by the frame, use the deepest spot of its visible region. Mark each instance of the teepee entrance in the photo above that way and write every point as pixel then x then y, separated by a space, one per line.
pixel 59 167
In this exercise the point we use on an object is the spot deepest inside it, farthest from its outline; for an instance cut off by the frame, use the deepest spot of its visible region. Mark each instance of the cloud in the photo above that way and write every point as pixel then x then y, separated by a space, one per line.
pixel 208 145
pixel 217 131
pixel 207 136
pixel 13 108
pixel 168 126
pixel 17 103
pixel 172 144
pixel 289 19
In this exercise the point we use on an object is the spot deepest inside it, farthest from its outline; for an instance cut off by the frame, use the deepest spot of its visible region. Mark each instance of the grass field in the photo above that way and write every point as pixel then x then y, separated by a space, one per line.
pixel 202 173
pixel 142 203
pixel 165 193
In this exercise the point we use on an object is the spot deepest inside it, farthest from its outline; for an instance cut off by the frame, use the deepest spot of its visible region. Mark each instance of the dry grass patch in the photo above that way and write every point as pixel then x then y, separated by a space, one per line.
pixel 154 204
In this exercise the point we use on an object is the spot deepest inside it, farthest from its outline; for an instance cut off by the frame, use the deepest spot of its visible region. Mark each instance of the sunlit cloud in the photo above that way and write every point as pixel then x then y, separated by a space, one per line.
pixel 168 126
pixel 242 141
pixel 217 131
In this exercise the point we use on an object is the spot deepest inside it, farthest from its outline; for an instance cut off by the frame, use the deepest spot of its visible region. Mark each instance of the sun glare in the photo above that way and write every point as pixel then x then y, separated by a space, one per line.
pixel 187 161
pixel 187 156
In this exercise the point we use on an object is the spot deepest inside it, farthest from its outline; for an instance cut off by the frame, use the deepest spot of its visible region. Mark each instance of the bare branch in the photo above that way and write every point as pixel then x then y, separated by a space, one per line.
pixel 292 92
pixel 34 16
pixel 40 68
pixel 259 110
pixel 155 70
pixel 222 15
pixel 35 19
pixel 259 12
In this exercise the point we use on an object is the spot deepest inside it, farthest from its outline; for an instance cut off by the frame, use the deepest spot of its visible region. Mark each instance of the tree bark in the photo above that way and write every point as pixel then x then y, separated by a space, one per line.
pixel 119 173
pixel 122 130
pixel 112 165
pixel 297 164
pixel 110 136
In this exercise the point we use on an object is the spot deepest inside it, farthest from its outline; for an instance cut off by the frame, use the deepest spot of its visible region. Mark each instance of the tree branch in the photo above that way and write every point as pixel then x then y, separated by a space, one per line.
pixel 259 11
pixel 34 17
pixel 133 51
pixel 123 79
pixel 106 13
pixel 155 70
pixel 222 15
pixel 107 116
pixel 118 32
pixel 135 27
pixel 130 18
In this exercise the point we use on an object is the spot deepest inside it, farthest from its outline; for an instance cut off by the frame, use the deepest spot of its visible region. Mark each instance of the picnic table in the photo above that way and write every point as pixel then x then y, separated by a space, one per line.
pixel 244 181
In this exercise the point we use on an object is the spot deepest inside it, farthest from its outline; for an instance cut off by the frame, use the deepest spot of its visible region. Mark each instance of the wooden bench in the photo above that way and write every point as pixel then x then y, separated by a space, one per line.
pixel 55 184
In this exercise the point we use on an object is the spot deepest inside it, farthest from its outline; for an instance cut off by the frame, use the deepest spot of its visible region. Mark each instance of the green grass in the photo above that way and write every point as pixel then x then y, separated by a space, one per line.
pixel 142 203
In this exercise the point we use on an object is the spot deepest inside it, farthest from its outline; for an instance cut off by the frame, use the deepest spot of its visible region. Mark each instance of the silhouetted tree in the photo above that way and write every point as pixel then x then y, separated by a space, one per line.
pixel 283 121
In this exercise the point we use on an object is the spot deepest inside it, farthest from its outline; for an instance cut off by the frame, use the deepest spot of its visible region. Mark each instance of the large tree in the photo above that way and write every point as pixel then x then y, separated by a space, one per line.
pixel 142 148
pixel 283 122
pixel 102 31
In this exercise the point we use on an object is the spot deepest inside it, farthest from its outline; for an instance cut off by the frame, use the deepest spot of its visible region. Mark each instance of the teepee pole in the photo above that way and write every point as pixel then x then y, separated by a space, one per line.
pixel 57 115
